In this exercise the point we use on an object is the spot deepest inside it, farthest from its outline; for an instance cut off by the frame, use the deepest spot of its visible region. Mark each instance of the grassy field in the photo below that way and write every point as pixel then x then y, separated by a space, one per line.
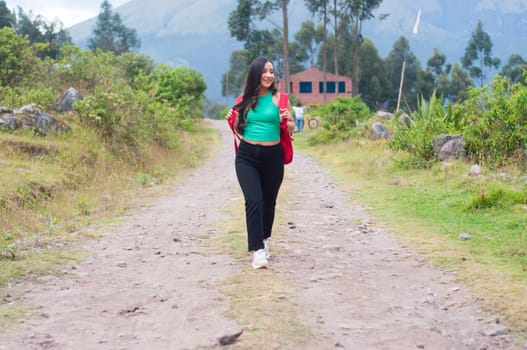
pixel 430 209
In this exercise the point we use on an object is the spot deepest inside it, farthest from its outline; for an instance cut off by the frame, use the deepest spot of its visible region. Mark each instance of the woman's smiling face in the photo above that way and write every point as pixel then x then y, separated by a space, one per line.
pixel 267 76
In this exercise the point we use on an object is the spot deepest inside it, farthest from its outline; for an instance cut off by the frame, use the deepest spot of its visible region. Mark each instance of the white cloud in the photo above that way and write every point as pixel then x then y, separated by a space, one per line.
pixel 68 12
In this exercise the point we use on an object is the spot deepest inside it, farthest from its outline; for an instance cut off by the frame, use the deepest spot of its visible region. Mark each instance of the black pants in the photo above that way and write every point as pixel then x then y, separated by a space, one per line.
pixel 260 171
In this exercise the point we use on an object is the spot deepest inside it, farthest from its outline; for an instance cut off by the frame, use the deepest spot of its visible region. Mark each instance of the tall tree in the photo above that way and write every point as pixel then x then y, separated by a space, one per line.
pixel 30 26
pixel 320 7
pixel 7 19
pixel 479 49
pixel 437 63
pixel 394 65
pixel 306 39
pixel 55 36
pixel 459 84
pixel 285 44
pixel 336 11
pixel 242 26
pixel 515 69
pixel 344 47
pixel 435 77
pixel 359 11
pixel 373 83
pixel 110 34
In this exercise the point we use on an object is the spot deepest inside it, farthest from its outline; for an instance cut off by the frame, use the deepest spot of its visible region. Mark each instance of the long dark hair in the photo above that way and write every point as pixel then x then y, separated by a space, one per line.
pixel 251 90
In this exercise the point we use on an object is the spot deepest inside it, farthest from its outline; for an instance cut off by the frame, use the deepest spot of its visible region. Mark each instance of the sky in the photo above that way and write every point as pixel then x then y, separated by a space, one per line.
pixel 67 11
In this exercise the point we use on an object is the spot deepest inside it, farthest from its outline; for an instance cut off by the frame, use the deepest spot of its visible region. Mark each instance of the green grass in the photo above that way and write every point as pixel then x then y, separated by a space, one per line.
pixel 11 311
pixel 428 209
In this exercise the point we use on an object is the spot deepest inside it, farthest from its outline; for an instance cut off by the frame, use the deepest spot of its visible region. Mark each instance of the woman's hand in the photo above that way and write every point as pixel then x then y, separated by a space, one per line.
pixel 286 114
pixel 229 114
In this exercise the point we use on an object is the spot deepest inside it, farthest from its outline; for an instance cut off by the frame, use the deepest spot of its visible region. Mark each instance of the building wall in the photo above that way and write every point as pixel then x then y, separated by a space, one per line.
pixel 316 77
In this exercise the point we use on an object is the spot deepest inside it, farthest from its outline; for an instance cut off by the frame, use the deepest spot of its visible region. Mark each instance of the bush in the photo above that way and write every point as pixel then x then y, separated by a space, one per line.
pixel 416 135
pixel 340 119
pixel 497 123
pixel 15 57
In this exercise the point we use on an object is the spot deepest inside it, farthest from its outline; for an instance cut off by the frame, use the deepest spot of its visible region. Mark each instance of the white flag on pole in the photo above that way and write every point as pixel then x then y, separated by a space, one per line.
pixel 416 25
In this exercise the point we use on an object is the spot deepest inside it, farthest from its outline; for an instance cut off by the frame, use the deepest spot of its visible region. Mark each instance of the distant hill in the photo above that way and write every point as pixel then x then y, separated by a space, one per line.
pixel 195 33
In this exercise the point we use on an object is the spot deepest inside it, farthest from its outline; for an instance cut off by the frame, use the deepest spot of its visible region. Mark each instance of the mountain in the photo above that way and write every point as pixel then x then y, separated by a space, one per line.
pixel 194 33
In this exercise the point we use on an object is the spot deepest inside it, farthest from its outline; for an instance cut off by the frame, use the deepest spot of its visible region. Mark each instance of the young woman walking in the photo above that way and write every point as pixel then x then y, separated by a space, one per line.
pixel 259 161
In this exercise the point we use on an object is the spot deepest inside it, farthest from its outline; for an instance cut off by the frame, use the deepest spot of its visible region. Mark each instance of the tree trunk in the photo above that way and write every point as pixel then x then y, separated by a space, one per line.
pixel 286 46
pixel 356 57
pixel 325 52
pixel 335 49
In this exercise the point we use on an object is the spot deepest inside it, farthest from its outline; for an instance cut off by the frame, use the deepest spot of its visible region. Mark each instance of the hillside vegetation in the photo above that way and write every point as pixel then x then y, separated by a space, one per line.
pixel 137 125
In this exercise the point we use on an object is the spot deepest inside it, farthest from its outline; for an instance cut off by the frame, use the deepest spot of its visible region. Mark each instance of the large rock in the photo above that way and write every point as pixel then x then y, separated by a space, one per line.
pixel 449 146
pixel 453 149
pixel 66 101
pixel 378 131
pixel 384 115
pixel 29 117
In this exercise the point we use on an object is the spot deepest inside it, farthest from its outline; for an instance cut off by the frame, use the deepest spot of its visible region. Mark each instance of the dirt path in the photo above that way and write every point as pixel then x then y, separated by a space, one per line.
pixel 148 282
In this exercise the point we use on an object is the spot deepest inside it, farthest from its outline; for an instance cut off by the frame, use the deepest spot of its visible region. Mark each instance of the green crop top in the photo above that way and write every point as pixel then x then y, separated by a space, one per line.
pixel 263 124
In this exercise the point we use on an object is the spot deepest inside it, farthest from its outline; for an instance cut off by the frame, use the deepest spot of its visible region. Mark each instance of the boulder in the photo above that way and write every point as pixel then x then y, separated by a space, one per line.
pixel 449 146
pixel 66 101
pixel 441 139
pixel 29 117
pixel 378 131
pixel 384 115
pixel 405 119
pixel 453 149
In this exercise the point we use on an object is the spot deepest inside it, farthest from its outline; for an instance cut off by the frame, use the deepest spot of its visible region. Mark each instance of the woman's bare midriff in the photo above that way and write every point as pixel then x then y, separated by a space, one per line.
pixel 262 143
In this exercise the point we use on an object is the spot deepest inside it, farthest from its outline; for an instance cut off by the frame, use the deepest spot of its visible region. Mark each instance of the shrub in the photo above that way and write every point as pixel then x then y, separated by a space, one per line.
pixel 340 119
pixel 15 57
pixel 416 135
pixel 497 123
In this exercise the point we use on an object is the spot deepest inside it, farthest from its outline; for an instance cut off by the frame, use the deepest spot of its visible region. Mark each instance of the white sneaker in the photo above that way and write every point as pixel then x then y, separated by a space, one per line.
pixel 259 259
pixel 266 248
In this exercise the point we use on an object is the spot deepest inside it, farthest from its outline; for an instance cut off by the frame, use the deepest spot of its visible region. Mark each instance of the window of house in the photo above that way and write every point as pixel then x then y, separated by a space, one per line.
pixel 330 87
pixel 305 87
pixel 342 86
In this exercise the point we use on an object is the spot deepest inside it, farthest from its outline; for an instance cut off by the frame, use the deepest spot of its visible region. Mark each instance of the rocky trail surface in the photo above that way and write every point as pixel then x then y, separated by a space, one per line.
pixel 149 281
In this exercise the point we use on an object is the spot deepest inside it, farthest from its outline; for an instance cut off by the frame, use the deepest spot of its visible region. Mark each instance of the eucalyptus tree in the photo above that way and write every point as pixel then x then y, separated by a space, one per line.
pixel 7 19
pixel 393 68
pixel 110 34
pixel 37 30
pixel 459 84
pixel 242 24
pixel 515 69
pixel 435 77
pixel 359 11
pixel 307 40
pixel 320 7
pixel 373 83
pixel 30 26
pixel 479 49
